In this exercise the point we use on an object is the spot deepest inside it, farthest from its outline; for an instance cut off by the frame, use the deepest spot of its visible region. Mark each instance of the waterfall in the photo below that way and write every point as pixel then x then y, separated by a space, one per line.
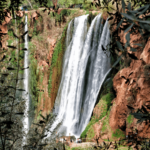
pixel 85 67
pixel 26 88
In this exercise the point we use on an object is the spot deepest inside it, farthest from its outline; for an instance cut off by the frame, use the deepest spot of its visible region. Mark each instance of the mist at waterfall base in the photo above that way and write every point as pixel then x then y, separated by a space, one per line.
pixel 85 67
pixel 26 86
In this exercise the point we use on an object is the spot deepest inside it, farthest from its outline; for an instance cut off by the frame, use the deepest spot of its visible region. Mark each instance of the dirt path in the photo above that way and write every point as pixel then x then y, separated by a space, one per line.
pixel 83 145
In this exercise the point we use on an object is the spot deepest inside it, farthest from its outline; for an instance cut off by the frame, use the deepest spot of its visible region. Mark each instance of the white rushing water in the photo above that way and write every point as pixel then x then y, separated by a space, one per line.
pixel 26 87
pixel 85 67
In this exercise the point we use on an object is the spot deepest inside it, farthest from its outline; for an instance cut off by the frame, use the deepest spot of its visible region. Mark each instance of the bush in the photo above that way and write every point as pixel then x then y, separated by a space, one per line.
pixel 60 46
pixel 118 133
pixel 130 119
pixel 106 102
pixel 86 6
pixel 34 76
pixel 84 133
pixel 65 12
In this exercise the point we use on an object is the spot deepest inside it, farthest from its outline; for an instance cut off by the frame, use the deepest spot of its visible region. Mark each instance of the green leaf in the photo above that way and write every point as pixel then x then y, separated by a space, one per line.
pixel 129 28
pixel 120 23
pixel 133 49
pixel 137 115
pixel 138 10
pixel 129 16
pixel 119 45
pixel 143 21
pixel 139 44
pixel 128 38
pixel 143 11
pixel 117 61
pixel 141 120
pixel 146 26
pixel 126 45
pixel 123 5
pixel 129 6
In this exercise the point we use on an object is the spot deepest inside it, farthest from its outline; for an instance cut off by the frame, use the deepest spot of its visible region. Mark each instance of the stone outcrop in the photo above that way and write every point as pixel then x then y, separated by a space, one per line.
pixel 4 30
pixel 132 86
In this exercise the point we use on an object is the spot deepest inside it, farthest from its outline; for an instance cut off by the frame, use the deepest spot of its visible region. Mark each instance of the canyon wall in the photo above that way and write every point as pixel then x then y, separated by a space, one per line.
pixel 4 30
pixel 47 33
pixel 132 86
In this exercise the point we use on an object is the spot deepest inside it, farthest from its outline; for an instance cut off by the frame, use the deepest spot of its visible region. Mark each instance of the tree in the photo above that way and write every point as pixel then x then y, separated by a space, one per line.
pixel 11 109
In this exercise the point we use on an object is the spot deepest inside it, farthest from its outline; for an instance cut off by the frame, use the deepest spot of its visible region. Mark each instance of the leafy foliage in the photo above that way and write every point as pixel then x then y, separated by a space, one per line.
pixel 118 133
pixel 104 105
pixel 60 46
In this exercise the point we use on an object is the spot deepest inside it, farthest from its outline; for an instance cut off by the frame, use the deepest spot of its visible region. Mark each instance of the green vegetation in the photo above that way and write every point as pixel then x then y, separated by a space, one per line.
pixel 88 7
pixel 10 34
pixel 59 48
pixel 106 122
pixel 118 134
pixel 106 128
pixel 79 148
pixel 103 105
pixel 61 18
pixel 90 133
pixel 39 115
pixel 108 98
pixel 130 119
pixel 67 3
pixel 34 75
pixel 84 133
pixel 10 42
pixel 13 60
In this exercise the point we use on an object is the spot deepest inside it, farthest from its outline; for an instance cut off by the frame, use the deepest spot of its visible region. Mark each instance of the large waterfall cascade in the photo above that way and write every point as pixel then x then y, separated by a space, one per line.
pixel 85 67
pixel 26 85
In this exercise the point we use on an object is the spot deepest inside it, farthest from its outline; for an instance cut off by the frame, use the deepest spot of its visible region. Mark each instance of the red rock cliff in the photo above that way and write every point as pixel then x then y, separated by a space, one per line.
pixel 134 93
pixel 4 30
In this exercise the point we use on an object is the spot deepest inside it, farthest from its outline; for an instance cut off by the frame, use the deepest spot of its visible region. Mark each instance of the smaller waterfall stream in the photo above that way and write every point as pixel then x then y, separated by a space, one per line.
pixel 26 87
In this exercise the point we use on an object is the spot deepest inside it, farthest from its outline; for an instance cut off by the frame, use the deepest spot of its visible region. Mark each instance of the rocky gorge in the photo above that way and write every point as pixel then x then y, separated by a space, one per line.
pixel 111 117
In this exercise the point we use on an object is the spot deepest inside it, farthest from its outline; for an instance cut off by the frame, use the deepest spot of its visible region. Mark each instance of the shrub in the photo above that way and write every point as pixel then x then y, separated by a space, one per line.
pixel 65 12
pixel 108 98
pixel 118 133
pixel 60 46
pixel 84 133
pixel 86 6
pixel 106 103
pixel 34 76
pixel 130 119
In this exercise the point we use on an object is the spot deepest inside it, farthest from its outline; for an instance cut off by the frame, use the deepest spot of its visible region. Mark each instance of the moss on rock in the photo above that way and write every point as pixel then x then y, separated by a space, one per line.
pixel 99 112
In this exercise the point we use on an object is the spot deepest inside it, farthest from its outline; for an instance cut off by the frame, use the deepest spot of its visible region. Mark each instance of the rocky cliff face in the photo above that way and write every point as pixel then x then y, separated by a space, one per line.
pixel 4 30
pixel 46 35
pixel 134 93
pixel 132 87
